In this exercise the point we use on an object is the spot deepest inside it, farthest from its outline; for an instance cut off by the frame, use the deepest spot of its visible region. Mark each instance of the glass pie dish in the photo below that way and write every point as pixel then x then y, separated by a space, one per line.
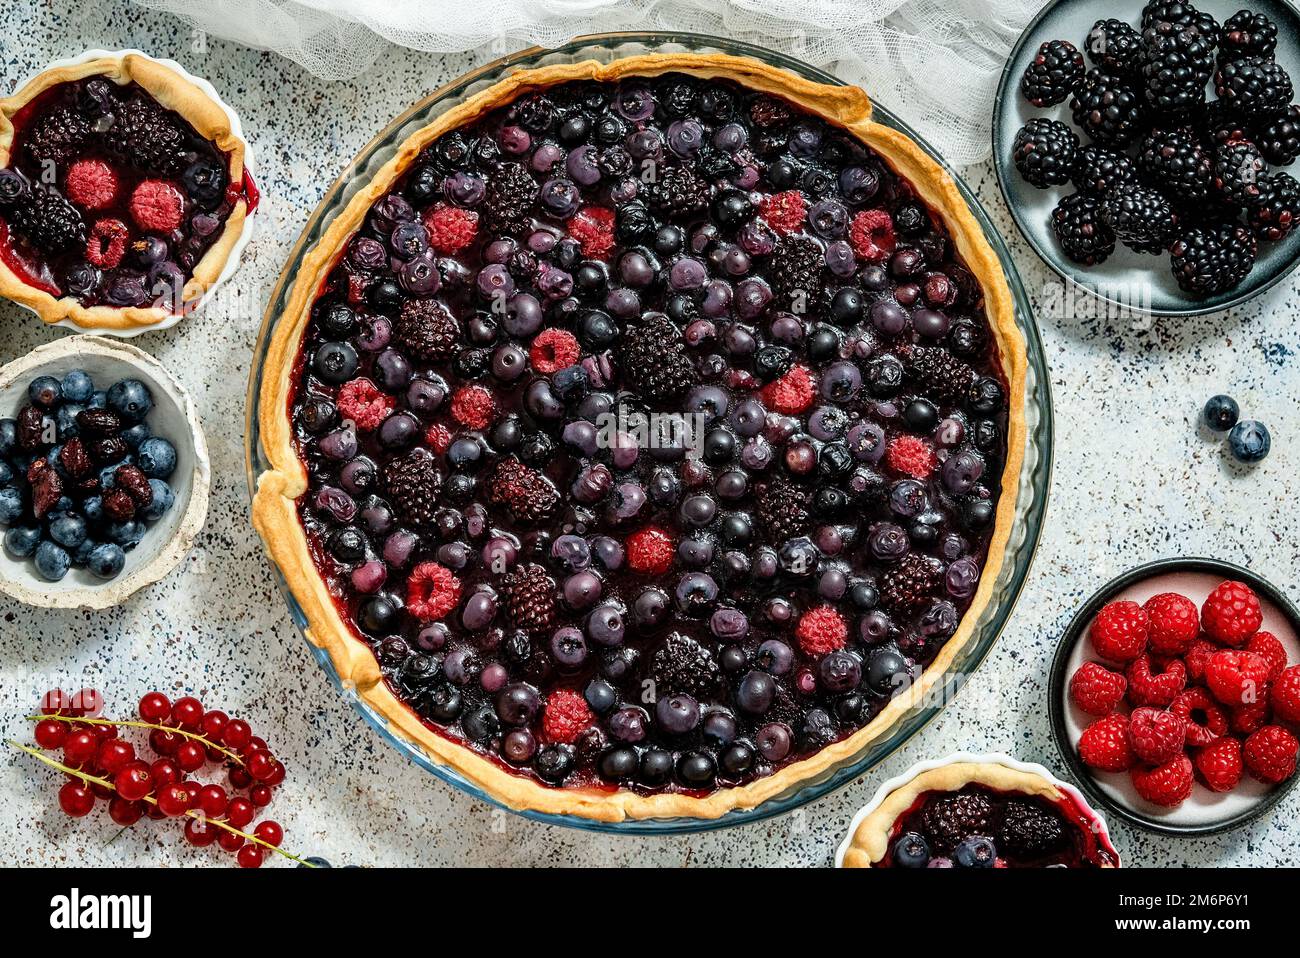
pixel 1030 485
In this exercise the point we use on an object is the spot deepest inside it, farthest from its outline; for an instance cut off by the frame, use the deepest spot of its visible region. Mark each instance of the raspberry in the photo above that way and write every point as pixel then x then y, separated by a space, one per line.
pixel 565 717
pixel 91 184
pixel 1231 614
pixel 1166 785
pixel 431 591
pixel 1249 718
pixel 1220 764
pixel 1237 678
pixel 1175 623
pixel 1119 633
pixel 450 228
pixel 1206 721
pixel 473 407
pixel 1267 647
pixel 784 212
pixel 361 401
pixel 1156 735
pixel 911 456
pixel 106 245
pixel 1270 754
pixel 650 551
pixel 872 235
pixel 1104 745
pixel 437 437
pixel 593 228
pixel 157 206
pixel 821 630
pixel 1285 696
pixel 552 350
pixel 1197 657
pixel 792 393
pixel 1096 689
pixel 1155 688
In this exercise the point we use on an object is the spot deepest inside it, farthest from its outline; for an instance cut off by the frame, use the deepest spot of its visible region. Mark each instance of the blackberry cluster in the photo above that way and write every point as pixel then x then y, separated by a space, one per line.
pixel 47 219
pixel 653 357
pixel 683 665
pixel 783 508
pixel 1027 829
pixel 412 483
pixel 530 598
pixel 939 373
pixel 950 818
pixel 57 136
pixel 798 266
pixel 530 496
pixel 509 198
pixel 910 581
pixel 1166 169
pixel 427 329
pixel 147 136
pixel 680 193
pixel 1053 73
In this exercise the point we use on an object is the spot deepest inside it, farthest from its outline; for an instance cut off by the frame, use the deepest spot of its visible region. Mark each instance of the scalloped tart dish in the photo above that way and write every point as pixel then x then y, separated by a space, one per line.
pixel 645 436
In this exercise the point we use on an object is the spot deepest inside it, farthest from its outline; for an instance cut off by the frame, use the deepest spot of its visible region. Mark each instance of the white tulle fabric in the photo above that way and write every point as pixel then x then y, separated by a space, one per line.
pixel 935 62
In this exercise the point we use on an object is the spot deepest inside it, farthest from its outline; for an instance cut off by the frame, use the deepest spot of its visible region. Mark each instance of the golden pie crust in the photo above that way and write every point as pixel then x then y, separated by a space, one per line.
pixel 208 119
pixel 870 840
pixel 275 503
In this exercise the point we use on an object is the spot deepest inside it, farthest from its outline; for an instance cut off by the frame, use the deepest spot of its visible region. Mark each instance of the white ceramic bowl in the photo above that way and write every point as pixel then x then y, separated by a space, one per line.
pixel 166 541
pixel 1096 822
pixel 232 262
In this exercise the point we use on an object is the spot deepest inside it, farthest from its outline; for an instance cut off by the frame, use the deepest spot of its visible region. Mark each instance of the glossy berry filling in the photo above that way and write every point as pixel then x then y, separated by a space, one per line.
pixel 654 435
pixel 109 198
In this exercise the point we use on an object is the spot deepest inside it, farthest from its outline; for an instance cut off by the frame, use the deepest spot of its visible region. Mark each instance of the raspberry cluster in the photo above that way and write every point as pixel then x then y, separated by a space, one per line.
pixel 1185 695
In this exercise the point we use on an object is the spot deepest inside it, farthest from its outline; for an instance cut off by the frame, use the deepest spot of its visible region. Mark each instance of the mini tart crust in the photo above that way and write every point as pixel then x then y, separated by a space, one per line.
pixel 208 119
pixel 275 513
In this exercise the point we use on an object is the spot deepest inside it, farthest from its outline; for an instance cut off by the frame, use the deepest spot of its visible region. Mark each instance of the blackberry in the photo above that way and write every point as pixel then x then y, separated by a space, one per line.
pixel 426 329
pixel 1238 165
pixel 1115 46
pixel 1174 162
pixel 1108 108
pixel 1254 86
pixel 950 818
pixel 1273 213
pixel 910 582
pixel 511 191
pixel 768 111
pixel 680 193
pixel 939 373
pixel 147 136
pixel 783 509
pixel 653 358
pixel 796 270
pixel 1055 70
pixel 1098 170
pixel 1220 123
pixel 1142 218
pixel 1079 229
pixel 1176 64
pixel 1213 259
pixel 58 136
pixel 683 665
pixel 530 598
pixel 1044 151
pixel 1180 15
pixel 1278 138
pixel 1029 830
pixel 1247 34
pixel 528 494
pixel 412 483
pixel 47 220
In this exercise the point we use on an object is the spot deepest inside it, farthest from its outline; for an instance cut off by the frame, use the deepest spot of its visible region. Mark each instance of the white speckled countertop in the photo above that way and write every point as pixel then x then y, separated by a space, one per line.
pixel 1135 480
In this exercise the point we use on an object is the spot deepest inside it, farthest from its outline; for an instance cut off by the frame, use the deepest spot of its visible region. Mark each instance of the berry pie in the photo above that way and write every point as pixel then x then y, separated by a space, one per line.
pixel 123 193
pixel 646 436
pixel 980 815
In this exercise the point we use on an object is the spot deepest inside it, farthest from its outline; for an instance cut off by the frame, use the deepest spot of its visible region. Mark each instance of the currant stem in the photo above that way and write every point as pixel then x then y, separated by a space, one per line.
pixel 192 813
pixel 122 723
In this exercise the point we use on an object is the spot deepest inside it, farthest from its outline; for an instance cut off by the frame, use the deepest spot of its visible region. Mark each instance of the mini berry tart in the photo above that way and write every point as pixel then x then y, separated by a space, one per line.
pixel 124 192
pixel 977 812
pixel 645 436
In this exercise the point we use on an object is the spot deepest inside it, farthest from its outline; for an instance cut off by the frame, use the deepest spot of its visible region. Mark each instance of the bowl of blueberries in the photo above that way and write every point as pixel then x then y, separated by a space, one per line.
pixel 104 473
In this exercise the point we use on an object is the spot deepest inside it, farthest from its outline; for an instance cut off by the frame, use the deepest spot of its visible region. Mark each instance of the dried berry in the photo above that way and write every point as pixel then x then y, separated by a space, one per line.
pixel 47 486
pixel 74 458
pixel 31 428
pixel 98 423
pixel 108 451
pixel 119 505
pixel 135 483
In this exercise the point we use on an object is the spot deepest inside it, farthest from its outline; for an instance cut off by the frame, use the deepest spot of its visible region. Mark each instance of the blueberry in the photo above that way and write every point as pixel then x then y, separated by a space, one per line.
pixel 77 386
pixel 316 861
pixel 81 554
pixel 6 474
pixel 126 534
pixel 11 505
pixel 163 497
pixel 921 415
pixel 65 420
pixel 93 508
pixel 975 852
pixel 156 457
pixel 97 400
pixel 52 562
pixel 8 436
pixel 334 363
pixel 911 851
pixel 1221 413
pixel 68 530
pixel 1249 441
pixel 134 435
pixel 656 767
pixel 130 399
pixel 106 560
pixel 45 391
pixel 20 541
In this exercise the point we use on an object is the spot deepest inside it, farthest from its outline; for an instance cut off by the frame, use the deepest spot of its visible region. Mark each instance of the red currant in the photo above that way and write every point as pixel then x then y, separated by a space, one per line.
pixel 103 732
pixel 239 778
pixel 134 782
pixel 102 791
pixel 269 832
pixel 124 812
pixel 213 724
pixel 79 748
pixel 153 812
pixel 88 702
pixel 200 833
pixel 76 799
pixel 237 734
pixel 164 742
pixel 260 765
pixel 190 756
pixel 51 733
pixel 256 744
pixel 230 841
pixel 213 801
pixel 154 707
pixel 277 773
pixel 54 702
pixel 240 812
pixel 250 856
pixel 174 800
pixel 260 795
pixel 114 753
pixel 187 713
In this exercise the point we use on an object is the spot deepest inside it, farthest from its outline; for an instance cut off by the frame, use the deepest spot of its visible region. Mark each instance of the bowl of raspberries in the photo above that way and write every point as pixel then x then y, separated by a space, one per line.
pixel 1175 696
pixel 1146 153
pixel 104 473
